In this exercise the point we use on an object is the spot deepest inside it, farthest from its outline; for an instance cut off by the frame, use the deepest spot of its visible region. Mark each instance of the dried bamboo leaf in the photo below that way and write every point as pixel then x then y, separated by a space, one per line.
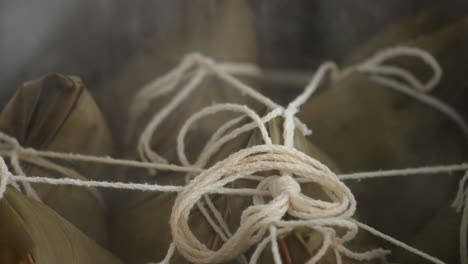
pixel 440 237
pixel 447 45
pixel 425 21
pixel 377 128
pixel 219 29
pixel 141 225
pixel 55 112
pixel 36 234
pixel 223 30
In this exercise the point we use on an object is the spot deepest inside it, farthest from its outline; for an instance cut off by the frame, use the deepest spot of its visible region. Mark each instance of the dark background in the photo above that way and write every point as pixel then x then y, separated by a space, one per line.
pixel 93 39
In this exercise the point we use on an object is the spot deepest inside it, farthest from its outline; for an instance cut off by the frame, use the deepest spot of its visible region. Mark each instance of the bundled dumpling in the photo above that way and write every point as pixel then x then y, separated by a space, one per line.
pixel 57 113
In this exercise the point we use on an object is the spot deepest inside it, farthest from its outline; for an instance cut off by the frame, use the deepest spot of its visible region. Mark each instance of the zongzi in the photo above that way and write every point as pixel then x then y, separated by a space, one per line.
pixel 56 113
pixel 32 233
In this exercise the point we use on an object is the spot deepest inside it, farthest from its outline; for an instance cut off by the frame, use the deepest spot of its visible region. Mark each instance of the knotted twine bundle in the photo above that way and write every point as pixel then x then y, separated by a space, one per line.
pixel 259 218
pixel 293 167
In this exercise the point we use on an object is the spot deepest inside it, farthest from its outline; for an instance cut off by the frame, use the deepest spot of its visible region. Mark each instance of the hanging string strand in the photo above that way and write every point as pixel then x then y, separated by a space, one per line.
pixel 460 204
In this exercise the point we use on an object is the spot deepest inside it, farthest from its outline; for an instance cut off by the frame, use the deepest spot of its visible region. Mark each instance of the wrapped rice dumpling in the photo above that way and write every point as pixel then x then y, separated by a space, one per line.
pixel 223 30
pixel 219 29
pixel 32 233
pixel 440 232
pixel 57 113
pixel 359 125
pixel 377 128
pixel 439 236
pixel 140 230
pixel 144 234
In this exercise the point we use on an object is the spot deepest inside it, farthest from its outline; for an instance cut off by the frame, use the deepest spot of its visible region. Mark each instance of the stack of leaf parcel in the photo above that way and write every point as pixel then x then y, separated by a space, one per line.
pixel 358 124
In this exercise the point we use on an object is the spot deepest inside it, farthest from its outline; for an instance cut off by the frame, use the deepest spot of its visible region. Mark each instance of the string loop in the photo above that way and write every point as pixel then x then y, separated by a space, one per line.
pixel 257 219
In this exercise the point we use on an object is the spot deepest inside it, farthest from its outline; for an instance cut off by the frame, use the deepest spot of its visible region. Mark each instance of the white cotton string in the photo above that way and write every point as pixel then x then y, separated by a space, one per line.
pixel 256 219
pixel 238 84
pixel 4 177
pixel 261 217
pixel 338 258
pixel 211 149
pixel 372 65
pixel 16 186
pixel 158 88
pixel 403 172
pixel 16 153
pixel 161 86
pixel 461 195
pixel 181 152
pixel 66 172
pixel 147 187
pixel 243 88
pixel 144 148
pixel 248 192
pixel 14 146
pixel 29 190
pixel 218 216
pixel 313 84
pixel 132 186
pixel 168 257
pixel 286 181
pixel 218 230
pixel 337 243
pixel 241 69
pixel 293 107
pixel 168 82
pixel 33 156
pixel 207 66
pixel 214 109
pixel 107 160
pixel 206 62
pixel 426 99
pixel 461 206
pixel 223 226
pixel 414 88
pixel 375 65
pixel 274 245
pixel 261 246
pixel 222 130
pixel 378 253
pixel 399 243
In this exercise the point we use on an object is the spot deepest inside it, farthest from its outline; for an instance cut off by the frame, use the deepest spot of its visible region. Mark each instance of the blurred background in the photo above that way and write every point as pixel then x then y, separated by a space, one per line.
pixel 95 38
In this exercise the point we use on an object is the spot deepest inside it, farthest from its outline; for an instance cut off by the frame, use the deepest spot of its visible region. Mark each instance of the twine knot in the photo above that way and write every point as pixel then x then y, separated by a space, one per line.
pixel 284 185
pixel 258 218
